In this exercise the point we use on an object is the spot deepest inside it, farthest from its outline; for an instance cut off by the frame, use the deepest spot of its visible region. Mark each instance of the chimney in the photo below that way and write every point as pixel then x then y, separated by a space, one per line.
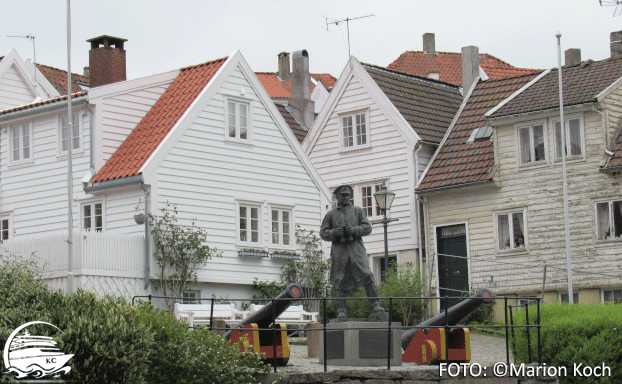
pixel 615 39
pixel 428 43
pixel 86 72
pixel 284 73
pixel 572 56
pixel 470 66
pixel 301 101
pixel 106 60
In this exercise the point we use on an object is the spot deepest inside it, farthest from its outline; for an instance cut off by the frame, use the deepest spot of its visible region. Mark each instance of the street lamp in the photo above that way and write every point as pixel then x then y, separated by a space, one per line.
pixel 384 199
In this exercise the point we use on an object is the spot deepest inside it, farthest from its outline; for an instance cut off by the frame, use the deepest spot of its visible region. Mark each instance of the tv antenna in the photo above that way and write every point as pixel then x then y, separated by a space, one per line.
pixel 617 3
pixel 347 20
pixel 34 52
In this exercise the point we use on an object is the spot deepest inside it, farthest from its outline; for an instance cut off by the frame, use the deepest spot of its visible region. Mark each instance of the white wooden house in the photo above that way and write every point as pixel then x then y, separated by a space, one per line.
pixel 494 193
pixel 205 138
pixel 380 126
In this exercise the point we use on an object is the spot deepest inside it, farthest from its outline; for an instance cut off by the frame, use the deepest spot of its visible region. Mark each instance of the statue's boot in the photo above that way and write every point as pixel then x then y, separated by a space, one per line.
pixel 342 307
pixel 372 294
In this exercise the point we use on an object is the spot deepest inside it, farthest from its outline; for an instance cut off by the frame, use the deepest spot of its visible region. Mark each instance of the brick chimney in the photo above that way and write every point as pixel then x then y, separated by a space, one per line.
pixel 301 101
pixel 470 67
pixel 615 39
pixel 283 72
pixel 106 60
pixel 572 56
pixel 428 43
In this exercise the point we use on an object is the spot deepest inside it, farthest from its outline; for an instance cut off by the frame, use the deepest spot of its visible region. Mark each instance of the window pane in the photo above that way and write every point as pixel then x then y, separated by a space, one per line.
pixel 26 141
pixel 76 131
pixel 517 230
pixel 254 224
pixel 16 143
pixel 231 119
pixel 504 232
pixel 99 222
pixel 243 121
pixel 617 218
pixel 243 225
pixel 603 222
pixel 5 229
pixel 348 139
pixel 361 130
pixel 574 133
pixel 525 146
pixel 285 227
pixel 558 140
pixel 275 226
pixel 538 142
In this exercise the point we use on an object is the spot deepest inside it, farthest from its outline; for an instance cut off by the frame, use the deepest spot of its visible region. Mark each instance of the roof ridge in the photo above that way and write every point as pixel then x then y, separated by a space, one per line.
pixel 411 76
pixel 206 63
pixel 58 69
pixel 538 71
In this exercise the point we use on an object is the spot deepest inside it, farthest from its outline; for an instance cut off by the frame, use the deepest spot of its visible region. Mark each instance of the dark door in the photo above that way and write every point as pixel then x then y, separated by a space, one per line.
pixel 453 268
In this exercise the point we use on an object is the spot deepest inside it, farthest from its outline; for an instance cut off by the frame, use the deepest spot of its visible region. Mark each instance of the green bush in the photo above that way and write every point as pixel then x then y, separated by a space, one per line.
pixel 265 290
pixel 404 280
pixel 586 334
pixel 109 343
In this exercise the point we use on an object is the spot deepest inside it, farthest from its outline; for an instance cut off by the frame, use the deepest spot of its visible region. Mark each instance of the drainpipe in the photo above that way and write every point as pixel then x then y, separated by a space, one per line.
pixel 147 258
pixel 417 210
pixel 91 140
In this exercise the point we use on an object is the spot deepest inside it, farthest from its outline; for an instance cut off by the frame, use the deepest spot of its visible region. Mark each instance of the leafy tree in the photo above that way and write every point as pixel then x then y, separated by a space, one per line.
pixel 310 271
pixel 178 251
pixel 405 280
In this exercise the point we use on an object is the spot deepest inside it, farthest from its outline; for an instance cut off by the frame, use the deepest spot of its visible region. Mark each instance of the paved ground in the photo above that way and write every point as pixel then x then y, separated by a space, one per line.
pixel 485 350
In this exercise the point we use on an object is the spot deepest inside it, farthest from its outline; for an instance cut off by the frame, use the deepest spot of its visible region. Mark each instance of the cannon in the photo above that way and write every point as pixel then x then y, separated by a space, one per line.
pixel 262 341
pixel 428 345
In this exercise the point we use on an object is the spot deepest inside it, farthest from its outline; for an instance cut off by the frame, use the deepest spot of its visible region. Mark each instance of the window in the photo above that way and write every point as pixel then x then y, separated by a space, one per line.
pixel 64 133
pixel 354 131
pixel 574 145
pixel 511 230
pixel 248 224
pixel 531 144
pixel 564 297
pixel 609 220
pixel 612 295
pixel 369 204
pixel 190 297
pixel 237 120
pixel 21 142
pixel 4 229
pixel 382 268
pixel 92 217
pixel 281 220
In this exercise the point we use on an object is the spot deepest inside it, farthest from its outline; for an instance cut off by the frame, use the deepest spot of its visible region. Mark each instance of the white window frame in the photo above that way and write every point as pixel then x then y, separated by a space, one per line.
pixel 249 120
pixel 613 292
pixel 357 197
pixel 191 296
pixel 92 204
pixel 292 236
pixel 260 224
pixel 356 141
pixel 576 297
pixel 532 151
pixel 5 231
pixel 22 159
pixel 567 126
pixel 80 137
pixel 610 221
pixel 375 187
pixel 513 248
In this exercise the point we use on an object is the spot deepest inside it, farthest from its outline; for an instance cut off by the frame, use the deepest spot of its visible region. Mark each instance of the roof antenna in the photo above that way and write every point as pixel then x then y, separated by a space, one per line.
pixel 347 20
pixel 34 52
pixel 617 3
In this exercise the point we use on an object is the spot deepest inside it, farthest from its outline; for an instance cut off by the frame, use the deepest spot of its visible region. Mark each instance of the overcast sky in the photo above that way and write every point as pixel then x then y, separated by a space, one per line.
pixel 169 34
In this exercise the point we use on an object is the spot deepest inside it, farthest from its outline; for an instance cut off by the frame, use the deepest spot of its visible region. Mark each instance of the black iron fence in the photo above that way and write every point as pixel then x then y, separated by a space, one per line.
pixel 508 329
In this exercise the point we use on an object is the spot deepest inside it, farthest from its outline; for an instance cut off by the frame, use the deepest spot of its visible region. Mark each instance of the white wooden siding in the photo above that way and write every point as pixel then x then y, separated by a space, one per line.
pixel 13 90
pixel 540 190
pixel 204 175
pixel 389 157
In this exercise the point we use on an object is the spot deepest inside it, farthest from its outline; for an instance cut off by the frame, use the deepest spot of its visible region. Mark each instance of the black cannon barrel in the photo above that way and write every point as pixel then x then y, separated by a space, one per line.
pixel 266 314
pixel 455 314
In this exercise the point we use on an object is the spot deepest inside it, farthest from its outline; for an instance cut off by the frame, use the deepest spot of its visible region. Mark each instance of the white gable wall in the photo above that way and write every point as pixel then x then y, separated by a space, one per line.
pixel 14 90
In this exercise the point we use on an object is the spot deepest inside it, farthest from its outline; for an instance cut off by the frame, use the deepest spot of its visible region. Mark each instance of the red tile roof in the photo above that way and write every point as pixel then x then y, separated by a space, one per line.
pixel 58 78
pixel 294 125
pixel 158 122
pixel 328 81
pixel 277 88
pixel 48 101
pixel 458 162
pixel 449 66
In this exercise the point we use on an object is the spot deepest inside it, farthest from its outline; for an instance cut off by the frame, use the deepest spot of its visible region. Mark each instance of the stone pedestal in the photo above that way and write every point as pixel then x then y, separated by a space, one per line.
pixel 313 339
pixel 361 343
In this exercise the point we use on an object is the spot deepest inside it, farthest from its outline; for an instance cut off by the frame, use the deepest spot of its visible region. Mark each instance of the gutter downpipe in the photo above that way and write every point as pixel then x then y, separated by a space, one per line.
pixel 147 258
pixel 563 129
pixel 417 210
pixel 69 160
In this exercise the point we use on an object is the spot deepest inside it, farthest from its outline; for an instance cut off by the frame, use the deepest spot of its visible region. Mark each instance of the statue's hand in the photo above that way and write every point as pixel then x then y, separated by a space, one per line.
pixel 339 232
pixel 350 230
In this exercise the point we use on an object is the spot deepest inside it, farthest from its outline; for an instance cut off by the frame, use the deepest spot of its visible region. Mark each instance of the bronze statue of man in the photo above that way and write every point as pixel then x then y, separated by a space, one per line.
pixel 345 226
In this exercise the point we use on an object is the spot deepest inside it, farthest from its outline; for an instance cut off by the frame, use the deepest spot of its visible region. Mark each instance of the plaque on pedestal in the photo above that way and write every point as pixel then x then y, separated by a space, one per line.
pixel 361 344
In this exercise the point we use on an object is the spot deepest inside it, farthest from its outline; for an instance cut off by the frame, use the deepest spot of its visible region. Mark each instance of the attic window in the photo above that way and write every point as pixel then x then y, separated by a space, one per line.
pixel 434 75
pixel 480 134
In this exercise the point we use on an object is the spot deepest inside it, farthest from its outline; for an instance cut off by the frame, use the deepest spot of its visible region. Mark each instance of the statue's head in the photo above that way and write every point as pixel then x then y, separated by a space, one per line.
pixel 343 194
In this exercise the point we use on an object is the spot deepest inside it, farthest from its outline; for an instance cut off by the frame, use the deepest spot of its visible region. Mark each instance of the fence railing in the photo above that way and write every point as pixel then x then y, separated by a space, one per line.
pixel 508 328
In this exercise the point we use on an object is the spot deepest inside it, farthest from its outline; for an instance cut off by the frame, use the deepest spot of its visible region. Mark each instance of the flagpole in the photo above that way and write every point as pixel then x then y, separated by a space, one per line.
pixel 564 151
pixel 69 159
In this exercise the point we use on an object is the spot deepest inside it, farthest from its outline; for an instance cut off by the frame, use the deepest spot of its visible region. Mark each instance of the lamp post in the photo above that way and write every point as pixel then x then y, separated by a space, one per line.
pixel 384 199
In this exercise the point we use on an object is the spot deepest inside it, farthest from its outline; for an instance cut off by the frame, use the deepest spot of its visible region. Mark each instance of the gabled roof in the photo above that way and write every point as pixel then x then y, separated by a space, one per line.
pixel 293 123
pixel 427 105
pixel 449 66
pixel 457 162
pixel 581 84
pixel 58 78
pixel 132 154
pixel 40 103
pixel 280 89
